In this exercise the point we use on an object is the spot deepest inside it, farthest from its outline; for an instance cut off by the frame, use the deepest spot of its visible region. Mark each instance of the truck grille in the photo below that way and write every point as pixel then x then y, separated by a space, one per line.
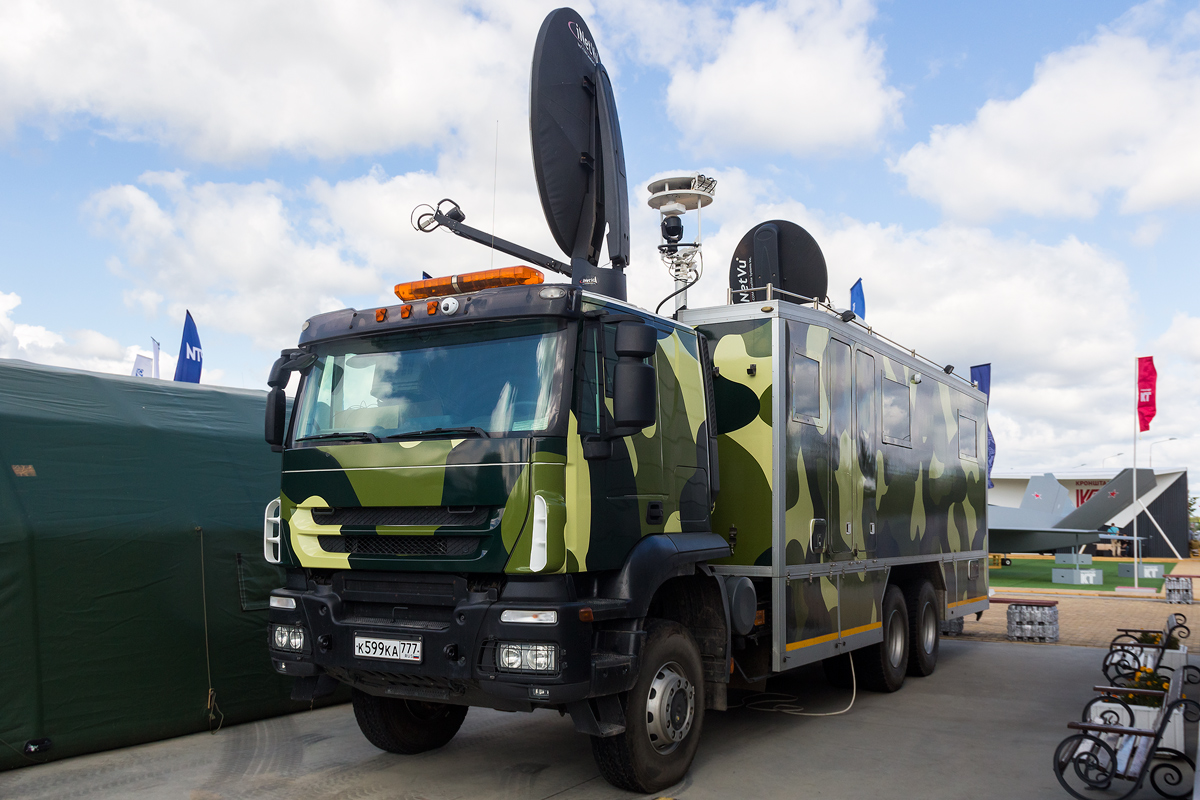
pixel 401 545
pixel 403 515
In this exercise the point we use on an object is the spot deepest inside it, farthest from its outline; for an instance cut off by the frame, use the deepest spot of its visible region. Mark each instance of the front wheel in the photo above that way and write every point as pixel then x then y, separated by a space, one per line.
pixel 664 712
pixel 407 727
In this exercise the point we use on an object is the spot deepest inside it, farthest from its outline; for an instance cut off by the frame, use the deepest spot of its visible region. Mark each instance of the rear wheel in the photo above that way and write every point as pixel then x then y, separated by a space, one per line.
pixel 924 629
pixel 881 667
pixel 664 712
pixel 406 726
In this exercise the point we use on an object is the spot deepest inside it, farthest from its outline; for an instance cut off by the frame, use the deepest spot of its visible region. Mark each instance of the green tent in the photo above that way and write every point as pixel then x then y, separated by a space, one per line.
pixel 132 578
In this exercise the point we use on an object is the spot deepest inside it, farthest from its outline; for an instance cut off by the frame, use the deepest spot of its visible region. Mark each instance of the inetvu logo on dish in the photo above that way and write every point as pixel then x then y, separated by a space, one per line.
pixel 585 43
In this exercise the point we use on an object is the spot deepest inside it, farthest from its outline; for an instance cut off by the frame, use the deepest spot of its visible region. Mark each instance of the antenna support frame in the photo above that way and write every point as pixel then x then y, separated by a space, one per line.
pixel 673 197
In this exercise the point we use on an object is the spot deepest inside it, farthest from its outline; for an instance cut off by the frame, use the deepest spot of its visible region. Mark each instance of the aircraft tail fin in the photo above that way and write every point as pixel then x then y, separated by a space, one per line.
pixel 1115 497
pixel 1046 497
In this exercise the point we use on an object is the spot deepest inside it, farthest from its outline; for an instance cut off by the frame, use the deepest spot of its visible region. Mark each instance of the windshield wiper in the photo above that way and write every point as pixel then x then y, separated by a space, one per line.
pixel 364 435
pixel 475 429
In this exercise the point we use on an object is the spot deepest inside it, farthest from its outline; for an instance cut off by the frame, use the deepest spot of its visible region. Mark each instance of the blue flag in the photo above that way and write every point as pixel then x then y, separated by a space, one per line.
pixel 858 303
pixel 191 357
pixel 981 376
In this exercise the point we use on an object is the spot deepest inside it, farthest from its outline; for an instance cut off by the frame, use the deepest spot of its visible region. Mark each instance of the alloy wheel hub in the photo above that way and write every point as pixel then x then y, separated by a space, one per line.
pixel 670 708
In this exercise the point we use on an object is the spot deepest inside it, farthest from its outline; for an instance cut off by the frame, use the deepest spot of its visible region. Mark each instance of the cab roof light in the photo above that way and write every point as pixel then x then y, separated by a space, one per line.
pixel 469 282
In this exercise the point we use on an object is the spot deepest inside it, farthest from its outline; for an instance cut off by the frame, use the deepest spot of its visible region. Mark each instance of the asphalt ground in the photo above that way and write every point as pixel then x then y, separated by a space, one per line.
pixel 984 725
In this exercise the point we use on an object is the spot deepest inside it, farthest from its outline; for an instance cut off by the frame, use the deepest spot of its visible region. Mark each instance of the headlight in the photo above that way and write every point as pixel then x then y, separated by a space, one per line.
pixel 288 637
pixel 523 657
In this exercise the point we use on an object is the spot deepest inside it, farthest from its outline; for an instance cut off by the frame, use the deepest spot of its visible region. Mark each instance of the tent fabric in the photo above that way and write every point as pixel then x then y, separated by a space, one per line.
pixel 130 536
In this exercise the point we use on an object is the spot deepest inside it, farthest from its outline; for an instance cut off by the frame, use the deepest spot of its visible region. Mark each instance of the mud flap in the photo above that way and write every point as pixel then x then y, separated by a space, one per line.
pixel 598 716
pixel 306 690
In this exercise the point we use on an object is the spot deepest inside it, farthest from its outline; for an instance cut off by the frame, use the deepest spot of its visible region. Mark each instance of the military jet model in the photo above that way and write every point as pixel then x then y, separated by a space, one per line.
pixel 1044 520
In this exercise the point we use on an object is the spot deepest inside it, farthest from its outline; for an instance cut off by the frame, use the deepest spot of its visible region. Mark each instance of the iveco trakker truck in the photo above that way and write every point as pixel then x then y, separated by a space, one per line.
pixel 517 495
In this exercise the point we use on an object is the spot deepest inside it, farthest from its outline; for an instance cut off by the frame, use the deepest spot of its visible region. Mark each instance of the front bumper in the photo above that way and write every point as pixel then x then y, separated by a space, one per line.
pixel 459 627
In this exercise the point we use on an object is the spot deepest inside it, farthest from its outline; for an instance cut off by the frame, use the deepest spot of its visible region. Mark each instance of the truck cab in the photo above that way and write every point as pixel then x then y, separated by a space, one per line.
pixel 482 496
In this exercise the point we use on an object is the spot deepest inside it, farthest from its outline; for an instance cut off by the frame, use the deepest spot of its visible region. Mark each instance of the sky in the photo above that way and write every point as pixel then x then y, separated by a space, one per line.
pixel 1016 183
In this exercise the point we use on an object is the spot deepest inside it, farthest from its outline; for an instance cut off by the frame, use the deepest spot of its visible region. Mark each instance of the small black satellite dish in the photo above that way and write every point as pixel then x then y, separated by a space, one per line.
pixel 578 156
pixel 782 254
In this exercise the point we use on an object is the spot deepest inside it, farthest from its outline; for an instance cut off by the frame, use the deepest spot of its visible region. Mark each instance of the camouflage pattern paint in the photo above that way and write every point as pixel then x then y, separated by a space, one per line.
pixel 915 495
pixel 597 509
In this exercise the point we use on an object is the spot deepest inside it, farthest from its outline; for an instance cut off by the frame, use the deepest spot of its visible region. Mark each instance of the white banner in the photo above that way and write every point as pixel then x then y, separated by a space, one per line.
pixel 143 367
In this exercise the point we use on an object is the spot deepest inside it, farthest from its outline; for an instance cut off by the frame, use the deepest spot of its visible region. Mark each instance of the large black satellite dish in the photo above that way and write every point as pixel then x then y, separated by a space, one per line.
pixel 578 156
pixel 782 254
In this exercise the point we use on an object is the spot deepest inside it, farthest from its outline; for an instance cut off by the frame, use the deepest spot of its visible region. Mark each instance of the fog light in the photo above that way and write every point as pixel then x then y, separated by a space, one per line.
pixel 542 659
pixel 510 657
pixel 288 637
pixel 525 657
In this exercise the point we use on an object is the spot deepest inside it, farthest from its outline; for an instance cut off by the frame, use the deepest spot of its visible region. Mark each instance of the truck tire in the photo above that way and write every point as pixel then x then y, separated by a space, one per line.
pixel 881 667
pixel 924 628
pixel 664 712
pixel 407 727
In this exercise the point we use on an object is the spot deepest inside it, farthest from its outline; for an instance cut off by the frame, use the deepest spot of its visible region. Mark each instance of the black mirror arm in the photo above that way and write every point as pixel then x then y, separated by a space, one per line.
pixel 289 361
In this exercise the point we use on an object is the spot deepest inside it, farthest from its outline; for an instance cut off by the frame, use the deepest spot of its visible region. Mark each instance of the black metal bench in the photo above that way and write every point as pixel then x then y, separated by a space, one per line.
pixel 1110 758
pixel 1127 652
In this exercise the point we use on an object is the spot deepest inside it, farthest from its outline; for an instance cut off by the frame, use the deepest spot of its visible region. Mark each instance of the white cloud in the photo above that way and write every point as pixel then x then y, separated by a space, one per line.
pixel 257 259
pixel 795 76
pixel 79 349
pixel 1054 320
pixel 1116 115
pixel 228 81
pixel 1182 338
pixel 234 254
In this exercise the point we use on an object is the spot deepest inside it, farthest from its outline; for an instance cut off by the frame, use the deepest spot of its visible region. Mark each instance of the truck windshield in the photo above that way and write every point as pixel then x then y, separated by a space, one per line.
pixel 480 379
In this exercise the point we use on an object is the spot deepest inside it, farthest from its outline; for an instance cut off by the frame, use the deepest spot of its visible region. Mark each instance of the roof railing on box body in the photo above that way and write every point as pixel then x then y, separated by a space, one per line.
pixel 828 308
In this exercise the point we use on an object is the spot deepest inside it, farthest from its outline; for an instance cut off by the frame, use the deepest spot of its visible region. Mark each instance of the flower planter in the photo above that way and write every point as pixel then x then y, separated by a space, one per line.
pixel 1175 659
pixel 1144 717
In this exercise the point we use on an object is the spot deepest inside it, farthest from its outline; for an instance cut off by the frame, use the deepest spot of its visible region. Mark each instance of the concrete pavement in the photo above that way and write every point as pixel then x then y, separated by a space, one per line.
pixel 983 726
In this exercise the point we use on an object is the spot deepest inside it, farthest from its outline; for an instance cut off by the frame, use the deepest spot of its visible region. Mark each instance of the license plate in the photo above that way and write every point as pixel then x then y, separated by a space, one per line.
pixel 388 649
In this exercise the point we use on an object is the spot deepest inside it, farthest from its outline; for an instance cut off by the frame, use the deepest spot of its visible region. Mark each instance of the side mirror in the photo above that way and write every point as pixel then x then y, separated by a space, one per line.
pixel 635 396
pixel 276 417
pixel 816 536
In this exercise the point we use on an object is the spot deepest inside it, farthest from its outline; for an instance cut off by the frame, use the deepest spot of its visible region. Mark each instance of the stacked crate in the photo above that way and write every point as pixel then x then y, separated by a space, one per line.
pixel 1033 621
pixel 1179 590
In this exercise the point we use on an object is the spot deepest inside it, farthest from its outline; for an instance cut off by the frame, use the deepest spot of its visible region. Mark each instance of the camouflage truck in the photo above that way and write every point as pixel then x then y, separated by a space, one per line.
pixel 528 496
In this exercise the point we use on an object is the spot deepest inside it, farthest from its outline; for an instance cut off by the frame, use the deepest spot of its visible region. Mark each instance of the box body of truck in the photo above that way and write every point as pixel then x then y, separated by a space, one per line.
pixel 817 419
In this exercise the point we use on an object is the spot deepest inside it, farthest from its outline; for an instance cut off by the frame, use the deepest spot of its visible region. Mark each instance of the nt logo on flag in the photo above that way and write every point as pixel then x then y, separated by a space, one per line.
pixel 191 357
pixel 1147 388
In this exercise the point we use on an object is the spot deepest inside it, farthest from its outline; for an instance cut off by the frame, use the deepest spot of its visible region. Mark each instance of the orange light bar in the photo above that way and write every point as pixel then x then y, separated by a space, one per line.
pixel 470 282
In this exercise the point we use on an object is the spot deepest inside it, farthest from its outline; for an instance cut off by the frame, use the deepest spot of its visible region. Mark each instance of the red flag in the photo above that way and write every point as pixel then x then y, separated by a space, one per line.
pixel 1147 387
